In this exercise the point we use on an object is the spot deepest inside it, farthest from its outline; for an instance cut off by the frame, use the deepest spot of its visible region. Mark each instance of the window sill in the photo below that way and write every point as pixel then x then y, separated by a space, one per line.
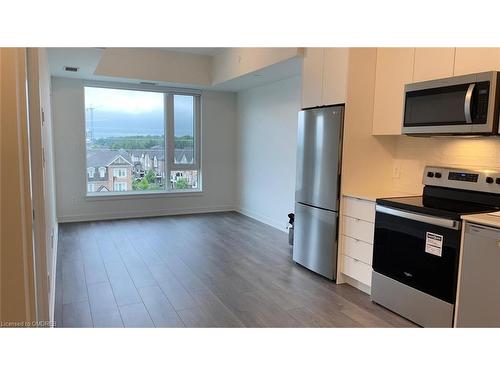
pixel 132 195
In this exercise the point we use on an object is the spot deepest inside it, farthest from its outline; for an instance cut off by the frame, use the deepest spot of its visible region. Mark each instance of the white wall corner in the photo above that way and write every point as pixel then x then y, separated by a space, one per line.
pixel 263 219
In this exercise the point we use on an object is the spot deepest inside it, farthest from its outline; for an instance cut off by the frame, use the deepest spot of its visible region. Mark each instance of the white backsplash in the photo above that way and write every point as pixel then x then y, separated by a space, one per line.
pixel 413 154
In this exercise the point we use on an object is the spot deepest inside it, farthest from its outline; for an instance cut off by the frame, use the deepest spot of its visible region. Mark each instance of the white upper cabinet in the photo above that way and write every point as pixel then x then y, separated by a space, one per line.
pixel 399 66
pixel 324 76
pixel 312 77
pixel 394 69
pixel 433 63
pixel 475 60
pixel 335 69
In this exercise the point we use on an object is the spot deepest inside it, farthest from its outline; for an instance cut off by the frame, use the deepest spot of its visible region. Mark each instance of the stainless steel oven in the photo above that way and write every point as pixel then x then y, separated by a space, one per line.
pixel 425 281
pixel 416 247
pixel 459 105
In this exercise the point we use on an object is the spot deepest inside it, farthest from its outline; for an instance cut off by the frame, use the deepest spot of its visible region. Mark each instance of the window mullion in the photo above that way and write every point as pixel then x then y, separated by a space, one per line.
pixel 197 133
pixel 169 131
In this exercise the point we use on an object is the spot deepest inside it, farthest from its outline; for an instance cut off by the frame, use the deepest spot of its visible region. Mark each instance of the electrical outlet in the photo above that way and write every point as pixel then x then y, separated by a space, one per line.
pixel 396 169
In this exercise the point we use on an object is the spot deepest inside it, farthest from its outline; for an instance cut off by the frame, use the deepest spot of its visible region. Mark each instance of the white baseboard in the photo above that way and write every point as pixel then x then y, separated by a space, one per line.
pixel 139 214
pixel 263 219
pixel 52 302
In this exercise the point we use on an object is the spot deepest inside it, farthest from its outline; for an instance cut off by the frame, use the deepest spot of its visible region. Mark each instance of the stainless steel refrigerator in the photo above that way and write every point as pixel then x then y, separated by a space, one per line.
pixel 317 190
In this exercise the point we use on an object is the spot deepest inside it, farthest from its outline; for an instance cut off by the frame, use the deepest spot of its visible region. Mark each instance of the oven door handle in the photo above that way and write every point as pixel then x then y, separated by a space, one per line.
pixel 468 103
pixel 439 221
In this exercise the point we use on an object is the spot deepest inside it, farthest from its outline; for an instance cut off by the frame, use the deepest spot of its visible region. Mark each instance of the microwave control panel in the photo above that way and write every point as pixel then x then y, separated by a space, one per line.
pixel 480 104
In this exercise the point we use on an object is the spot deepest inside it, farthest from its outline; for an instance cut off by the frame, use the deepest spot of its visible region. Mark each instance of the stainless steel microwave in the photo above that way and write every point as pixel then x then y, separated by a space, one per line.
pixel 459 105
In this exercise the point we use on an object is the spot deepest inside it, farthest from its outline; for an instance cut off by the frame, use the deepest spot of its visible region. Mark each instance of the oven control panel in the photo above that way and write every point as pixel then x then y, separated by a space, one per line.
pixel 465 179
pixel 463 176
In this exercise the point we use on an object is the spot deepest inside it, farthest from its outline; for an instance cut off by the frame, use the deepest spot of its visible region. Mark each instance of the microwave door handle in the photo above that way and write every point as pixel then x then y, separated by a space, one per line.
pixel 468 103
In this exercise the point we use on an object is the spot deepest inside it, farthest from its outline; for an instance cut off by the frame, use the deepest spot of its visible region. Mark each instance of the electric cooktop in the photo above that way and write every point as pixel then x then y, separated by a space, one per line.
pixel 451 193
pixel 447 208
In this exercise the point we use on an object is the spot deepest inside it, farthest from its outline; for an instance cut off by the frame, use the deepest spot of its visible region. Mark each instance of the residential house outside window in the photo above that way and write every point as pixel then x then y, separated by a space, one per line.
pixel 120 186
pixel 141 140
pixel 120 172
pixel 102 172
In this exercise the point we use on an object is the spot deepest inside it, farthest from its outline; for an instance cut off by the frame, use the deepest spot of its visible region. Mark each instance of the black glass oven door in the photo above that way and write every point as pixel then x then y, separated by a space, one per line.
pixel 420 254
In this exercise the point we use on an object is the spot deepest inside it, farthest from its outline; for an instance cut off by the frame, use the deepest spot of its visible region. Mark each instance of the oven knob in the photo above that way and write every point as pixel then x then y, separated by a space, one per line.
pixel 497 180
pixel 430 174
pixel 437 175
pixel 489 180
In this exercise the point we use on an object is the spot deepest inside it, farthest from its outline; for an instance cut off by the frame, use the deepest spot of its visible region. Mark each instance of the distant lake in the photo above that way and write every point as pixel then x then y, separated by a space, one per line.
pixel 117 124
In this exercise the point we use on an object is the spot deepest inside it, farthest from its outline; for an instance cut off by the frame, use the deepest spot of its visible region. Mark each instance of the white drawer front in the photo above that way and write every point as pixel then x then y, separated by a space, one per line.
pixel 357 249
pixel 359 208
pixel 357 270
pixel 359 229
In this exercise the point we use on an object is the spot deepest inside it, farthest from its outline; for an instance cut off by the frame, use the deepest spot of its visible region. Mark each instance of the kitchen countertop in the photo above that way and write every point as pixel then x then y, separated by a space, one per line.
pixel 373 195
pixel 485 219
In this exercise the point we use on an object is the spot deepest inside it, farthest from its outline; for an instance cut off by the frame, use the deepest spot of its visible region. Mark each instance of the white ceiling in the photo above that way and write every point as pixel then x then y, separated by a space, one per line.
pixel 86 59
pixel 198 51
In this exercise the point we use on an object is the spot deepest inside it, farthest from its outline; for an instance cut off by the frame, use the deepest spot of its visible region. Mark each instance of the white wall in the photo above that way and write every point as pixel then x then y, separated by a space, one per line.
pixel 218 161
pixel 413 154
pixel 267 141
pixel 156 65
pixel 366 160
pixel 51 233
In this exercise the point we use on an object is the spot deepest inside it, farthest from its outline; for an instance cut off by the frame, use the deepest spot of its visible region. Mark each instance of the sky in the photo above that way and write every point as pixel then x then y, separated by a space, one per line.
pixel 125 112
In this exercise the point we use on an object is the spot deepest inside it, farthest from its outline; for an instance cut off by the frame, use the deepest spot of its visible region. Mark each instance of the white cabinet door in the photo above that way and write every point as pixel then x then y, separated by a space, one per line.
pixel 475 60
pixel 433 63
pixel 394 70
pixel 312 77
pixel 336 62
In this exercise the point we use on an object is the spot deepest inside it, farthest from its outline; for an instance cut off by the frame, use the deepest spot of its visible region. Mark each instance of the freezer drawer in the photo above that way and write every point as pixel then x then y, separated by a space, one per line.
pixel 478 302
pixel 315 242
pixel 319 141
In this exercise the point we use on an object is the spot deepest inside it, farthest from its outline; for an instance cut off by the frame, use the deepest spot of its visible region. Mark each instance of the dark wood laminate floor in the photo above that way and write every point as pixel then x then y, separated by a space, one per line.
pixel 207 270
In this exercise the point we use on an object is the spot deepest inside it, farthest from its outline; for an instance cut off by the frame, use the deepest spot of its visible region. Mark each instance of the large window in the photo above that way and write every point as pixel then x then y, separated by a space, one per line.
pixel 141 141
